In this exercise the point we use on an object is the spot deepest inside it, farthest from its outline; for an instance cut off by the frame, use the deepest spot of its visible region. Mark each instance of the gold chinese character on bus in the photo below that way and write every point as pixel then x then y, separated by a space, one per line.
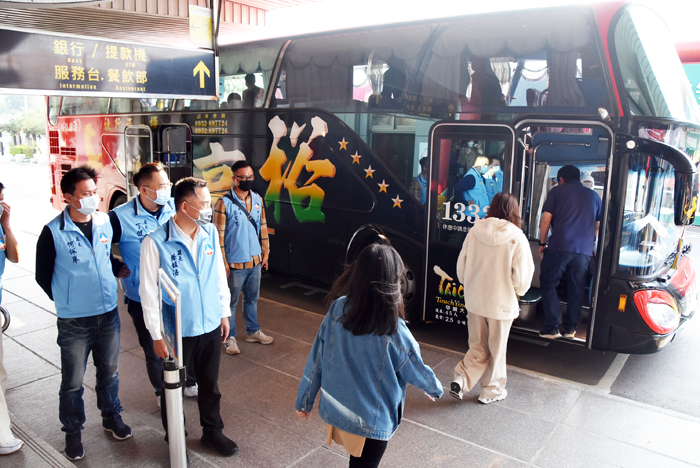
pixel 78 73
pixel 141 76
pixel 76 48
pixel 306 200
pixel 111 52
pixel 93 75
pixel 61 72
pixel 60 47
pixel 113 75
pixel 139 54
pixel 127 76
pixel 125 53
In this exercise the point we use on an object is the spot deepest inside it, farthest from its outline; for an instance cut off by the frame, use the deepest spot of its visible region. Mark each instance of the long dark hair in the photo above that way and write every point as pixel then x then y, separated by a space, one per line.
pixel 505 206
pixel 371 284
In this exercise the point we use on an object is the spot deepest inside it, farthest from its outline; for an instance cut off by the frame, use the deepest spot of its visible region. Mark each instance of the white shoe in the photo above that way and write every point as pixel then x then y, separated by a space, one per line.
pixel 259 337
pixel 231 345
pixel 191 392
pixel 500 397
pixel 12 446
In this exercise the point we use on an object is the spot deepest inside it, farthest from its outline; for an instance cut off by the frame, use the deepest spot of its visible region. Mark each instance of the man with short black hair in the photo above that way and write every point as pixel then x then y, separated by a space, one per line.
pixel 239 217
pixel 187 249
pixel 419 184
pixel 131 222
pixel 573 212
pixel 75 268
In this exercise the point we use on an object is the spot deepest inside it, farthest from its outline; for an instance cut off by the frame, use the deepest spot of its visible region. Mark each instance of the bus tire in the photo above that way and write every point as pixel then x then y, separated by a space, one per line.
pixel 119 198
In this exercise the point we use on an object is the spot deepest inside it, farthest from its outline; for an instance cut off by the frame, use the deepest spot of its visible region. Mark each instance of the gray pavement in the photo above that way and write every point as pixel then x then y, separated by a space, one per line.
pixel 546 421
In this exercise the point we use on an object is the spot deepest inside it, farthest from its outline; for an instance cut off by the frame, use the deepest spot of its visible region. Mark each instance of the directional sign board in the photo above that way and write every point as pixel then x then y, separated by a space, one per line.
pixel 72 65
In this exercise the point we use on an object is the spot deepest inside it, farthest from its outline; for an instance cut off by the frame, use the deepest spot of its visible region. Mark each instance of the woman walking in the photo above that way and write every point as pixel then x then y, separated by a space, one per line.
pixel 362 358
pixel 495 266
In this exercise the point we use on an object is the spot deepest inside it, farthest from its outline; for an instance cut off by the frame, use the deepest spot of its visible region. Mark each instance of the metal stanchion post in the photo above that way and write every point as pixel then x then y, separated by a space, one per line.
pixel 174 379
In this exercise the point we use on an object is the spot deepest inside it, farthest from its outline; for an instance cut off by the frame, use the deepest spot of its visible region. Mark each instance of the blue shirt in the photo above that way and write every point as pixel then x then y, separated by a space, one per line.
pixel 575 209
pixel 362 378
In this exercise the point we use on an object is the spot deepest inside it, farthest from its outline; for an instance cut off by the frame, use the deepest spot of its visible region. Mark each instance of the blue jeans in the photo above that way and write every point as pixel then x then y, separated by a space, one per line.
pixel 246 280
pixel 78 337
pixel 554 264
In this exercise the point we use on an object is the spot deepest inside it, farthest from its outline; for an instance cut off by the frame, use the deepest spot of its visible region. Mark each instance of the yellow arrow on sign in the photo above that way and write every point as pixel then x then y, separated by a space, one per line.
pixel 201 69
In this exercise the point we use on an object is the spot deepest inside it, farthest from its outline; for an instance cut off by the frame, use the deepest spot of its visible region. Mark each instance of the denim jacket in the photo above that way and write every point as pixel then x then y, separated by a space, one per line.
pixel 362 378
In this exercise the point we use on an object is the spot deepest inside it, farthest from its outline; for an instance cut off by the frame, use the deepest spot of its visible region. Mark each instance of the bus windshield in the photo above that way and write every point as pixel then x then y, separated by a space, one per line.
pixel 649 236
pixel 653 77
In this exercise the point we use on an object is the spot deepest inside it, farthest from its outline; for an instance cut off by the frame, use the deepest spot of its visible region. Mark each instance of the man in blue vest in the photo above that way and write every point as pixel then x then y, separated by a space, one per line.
pixel 471 189
pixel 239 217
pixel 493 178
pixel 419 184
pixel 131 222
pixel 8 250
pixel 187 249
pixel 75 268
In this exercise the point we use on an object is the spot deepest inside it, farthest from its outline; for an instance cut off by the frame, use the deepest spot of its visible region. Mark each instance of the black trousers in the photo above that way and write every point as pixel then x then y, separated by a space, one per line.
pixel 154 364
pixel 372 454
pixel 203 354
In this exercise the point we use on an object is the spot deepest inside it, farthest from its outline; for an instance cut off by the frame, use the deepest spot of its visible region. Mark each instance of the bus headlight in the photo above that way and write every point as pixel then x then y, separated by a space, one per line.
pixel 658 309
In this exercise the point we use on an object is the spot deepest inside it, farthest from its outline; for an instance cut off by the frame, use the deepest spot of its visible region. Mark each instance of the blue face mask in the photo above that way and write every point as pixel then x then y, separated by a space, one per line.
pixel 484 169
pixel 496 169
pixel 162 196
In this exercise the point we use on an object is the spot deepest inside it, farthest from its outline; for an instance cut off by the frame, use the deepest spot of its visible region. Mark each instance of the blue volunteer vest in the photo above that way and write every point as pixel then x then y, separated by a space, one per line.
pixel 198 284
pixel 83 284
pixel 3 248
pixel 494 185
pixel 241 240
pixel 136 223
pixel 423 187
pixel 478 193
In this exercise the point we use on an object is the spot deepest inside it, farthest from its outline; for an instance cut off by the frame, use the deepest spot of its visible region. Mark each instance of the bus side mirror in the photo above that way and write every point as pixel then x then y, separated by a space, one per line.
pixel 685 198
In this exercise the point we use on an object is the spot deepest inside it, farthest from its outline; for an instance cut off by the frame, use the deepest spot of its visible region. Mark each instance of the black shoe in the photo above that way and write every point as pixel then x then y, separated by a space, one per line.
pixel 74 447
pixel 456 390
pixel 116 426
pixel 219 442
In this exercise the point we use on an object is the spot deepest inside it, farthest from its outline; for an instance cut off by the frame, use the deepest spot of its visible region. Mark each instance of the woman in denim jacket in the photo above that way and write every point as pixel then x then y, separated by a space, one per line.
pixel 363 357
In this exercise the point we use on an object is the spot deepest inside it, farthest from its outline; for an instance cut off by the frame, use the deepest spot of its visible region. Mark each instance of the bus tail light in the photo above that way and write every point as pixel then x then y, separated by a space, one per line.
pixel 658 309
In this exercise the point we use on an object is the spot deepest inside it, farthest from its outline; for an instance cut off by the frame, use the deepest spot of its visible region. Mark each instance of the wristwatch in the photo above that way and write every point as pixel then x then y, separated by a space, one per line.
pixel 546 244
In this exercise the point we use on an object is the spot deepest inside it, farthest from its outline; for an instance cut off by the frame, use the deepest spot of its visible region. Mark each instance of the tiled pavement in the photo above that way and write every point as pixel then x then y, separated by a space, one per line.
pixel 543 423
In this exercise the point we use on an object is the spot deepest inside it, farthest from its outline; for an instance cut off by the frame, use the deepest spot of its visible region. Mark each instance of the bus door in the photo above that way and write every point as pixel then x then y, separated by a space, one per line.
pixel 547 147
pixel 175 152
pixel 464 178
pixel 138 150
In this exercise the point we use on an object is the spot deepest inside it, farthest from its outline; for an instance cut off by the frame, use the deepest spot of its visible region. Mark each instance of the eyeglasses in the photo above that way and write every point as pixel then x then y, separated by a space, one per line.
pixel 244 178
pixel 162 186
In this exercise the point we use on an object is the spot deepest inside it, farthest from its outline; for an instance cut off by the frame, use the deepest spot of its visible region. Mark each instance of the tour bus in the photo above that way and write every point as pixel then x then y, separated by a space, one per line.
pixel 337 124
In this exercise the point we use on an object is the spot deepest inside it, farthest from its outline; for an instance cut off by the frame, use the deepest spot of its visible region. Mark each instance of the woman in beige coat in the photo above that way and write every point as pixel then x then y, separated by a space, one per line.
pixel 495 266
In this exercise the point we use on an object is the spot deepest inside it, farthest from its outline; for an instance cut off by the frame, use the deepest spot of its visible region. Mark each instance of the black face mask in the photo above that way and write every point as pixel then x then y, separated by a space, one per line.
pixel 245 185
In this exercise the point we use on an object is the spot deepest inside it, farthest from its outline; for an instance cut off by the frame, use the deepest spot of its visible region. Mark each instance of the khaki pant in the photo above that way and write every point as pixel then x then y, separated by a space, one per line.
pixel 486 358
pixel 5 433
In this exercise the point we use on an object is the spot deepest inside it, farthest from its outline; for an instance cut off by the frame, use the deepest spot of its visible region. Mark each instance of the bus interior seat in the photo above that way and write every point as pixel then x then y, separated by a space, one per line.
pixel 560 148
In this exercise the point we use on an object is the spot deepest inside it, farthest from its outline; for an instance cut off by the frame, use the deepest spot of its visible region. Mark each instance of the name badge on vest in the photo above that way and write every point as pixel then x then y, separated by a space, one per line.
pixel 208 249
pixel 103 238
pixel 257 207
pixel 2 244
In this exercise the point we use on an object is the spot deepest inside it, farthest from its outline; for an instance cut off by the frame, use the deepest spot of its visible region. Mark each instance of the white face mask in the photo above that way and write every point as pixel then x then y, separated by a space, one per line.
pixel 204 216
pixel 88 205
pixel 162 195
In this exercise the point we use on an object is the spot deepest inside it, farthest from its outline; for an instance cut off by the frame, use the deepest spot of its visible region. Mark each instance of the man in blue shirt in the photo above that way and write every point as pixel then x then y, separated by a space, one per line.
pixel 131 222
pixel 419 184
pixel 471 190
pixel 573 212
pixel 75 268
pixel 494 178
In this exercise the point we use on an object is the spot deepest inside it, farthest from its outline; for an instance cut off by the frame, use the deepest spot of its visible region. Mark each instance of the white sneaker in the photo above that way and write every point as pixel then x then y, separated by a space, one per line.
pixel 231 345
pixel 259 337
pixel 500 397
pixel 191 392
pixel 12 446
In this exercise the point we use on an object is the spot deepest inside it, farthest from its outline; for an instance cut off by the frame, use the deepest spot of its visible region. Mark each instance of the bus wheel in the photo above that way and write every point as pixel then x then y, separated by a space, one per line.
pixel 119 198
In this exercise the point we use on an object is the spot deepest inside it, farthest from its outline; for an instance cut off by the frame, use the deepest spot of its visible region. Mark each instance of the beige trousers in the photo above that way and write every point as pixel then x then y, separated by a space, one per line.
pixel 5 432
pixel 486 358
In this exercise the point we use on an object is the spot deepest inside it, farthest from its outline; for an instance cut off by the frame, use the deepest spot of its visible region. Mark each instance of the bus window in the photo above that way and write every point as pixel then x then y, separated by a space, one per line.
pixel 354 71
pixel 649 235
pixel 78 105
pixel 120 105
pixel 54 107
pixel 258 60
